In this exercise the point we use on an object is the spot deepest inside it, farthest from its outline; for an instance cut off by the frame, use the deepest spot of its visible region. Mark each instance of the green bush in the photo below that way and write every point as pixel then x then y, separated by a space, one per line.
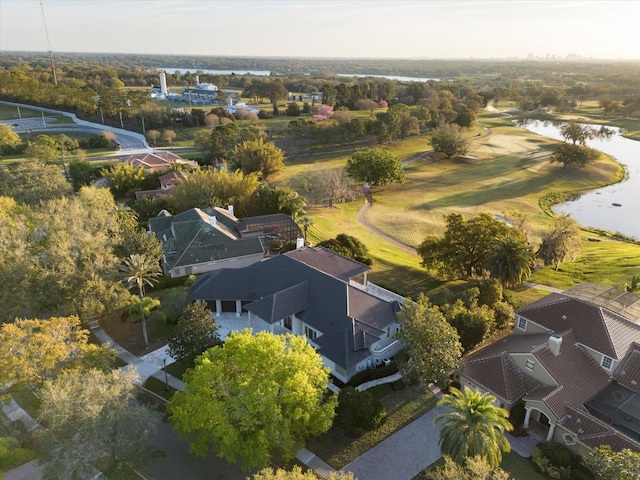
pixel 558 454
pixel 504 314
pixel 12 455
pixel 173 304
pixel 373 373
pixel 358 411
pixel 547 467
pixel 512 299
pixel 580 471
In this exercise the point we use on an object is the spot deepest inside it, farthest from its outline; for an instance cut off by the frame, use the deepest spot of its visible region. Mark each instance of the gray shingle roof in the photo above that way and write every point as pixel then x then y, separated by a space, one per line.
pixel 348 319
pixel 194 237
pixel 329 262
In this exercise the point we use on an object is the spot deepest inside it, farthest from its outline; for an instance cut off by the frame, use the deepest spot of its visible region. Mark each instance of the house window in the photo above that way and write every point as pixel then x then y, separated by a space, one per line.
pixel 530 364
pixel 607 362
pixel 522 323
pixel 288 323
pixel 310 333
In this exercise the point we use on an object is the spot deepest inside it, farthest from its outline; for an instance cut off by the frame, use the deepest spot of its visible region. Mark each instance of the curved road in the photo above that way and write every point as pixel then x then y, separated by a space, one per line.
pixel 132 142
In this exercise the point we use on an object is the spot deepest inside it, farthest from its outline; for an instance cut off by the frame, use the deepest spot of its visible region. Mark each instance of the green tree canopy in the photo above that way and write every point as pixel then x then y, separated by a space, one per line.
pixel 576 132
pixel 297 474
pixel 574 156
pixel 195 333
pixel 36 350
pixel 258 156
pixel 254 397
pixel 32 182
pixel 210 187
pixel 473 426
pixel 432 344
pixel 607 464
pixel 562 242
pixel 475 468
pixel 8 138
pixel 449 140
pixel 93 416
pixel 124 178
pixel 375 166
pixel 466 246
pixel 348 246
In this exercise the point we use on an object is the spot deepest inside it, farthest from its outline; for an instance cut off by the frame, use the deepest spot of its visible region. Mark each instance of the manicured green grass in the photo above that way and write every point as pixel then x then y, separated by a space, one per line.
pixel 176 369
pixel 11 113
pixel 520 468
pixel 402 407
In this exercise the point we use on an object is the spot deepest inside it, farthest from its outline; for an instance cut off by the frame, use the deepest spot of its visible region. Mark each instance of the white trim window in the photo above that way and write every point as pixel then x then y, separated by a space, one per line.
pixel 529 364
pixel 522 323
pixel 607 362
pixel 310 333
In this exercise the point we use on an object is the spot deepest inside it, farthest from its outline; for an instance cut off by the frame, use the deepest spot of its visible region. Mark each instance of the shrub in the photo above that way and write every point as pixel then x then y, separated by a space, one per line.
pixel 503 314
pixel 12 455
pixel 264 115
pixel 173 304
pixel 542 456
pixel 358 411
pixel 512 299
pixel 490 292
pixel 293 110
pixel 373 373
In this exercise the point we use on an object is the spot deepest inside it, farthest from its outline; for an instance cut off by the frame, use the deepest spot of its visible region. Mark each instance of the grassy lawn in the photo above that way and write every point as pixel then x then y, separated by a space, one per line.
pixel 402 407
pixel 11 113
pixel 159 388
pixel 25 397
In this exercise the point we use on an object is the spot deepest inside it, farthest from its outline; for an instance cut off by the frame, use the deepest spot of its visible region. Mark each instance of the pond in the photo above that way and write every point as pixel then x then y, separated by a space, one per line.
pixel 615 208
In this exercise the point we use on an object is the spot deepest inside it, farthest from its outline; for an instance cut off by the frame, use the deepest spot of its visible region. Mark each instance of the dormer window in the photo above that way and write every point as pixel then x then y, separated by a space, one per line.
pixel 529 365
pixel 607 362
pixel 522 323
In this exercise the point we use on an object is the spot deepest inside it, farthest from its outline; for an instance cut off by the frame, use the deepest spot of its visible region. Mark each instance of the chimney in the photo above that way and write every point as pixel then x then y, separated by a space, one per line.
pixel 213 220
pixel 554 344
pixel 299 243
pixel 230 209
pixel 163 83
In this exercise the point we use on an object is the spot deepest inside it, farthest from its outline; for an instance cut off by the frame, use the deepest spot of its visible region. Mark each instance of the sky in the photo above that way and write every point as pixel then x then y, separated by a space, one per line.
pixel 601 29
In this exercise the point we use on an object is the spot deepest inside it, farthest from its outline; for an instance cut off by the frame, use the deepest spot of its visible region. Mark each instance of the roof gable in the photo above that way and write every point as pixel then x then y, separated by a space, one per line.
pixel 329 262
pixel 595 327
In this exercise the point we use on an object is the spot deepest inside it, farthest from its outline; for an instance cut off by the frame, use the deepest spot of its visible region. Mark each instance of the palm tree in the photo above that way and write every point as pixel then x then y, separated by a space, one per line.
pixel 293 203
pixel 142 307
pixel 512 261
pixel 141 270
pixel 306 222
pixel 473 426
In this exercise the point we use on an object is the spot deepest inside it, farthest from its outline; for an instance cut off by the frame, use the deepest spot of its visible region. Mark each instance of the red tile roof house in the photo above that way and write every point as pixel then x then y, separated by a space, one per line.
pixel 316 293
pixel 167 183
pixel 574 364
pixel 157 161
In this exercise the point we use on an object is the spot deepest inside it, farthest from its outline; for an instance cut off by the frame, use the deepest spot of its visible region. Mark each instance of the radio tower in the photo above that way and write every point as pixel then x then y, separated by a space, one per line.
pixel 46 31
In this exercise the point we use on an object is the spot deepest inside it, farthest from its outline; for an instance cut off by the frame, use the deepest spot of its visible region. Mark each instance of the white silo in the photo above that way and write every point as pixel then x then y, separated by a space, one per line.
pixel 197 80
pixel 163 84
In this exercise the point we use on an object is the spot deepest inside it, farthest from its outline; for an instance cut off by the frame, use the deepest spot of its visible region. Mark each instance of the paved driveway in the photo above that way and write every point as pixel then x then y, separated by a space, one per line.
pixel 403 455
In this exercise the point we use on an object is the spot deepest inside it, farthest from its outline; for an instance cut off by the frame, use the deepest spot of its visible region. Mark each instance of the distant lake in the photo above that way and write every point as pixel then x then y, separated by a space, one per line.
pixel 195 70
pixel 400 78
pixel 614 208
pixel 266 73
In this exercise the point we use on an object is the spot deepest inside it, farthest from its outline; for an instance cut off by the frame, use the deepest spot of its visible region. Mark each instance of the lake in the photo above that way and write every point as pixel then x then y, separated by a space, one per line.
pixel 614 208
pixel 266 73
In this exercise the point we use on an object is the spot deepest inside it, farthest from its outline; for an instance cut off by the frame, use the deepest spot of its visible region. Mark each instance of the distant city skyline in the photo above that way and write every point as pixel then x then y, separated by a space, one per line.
pixel 464 29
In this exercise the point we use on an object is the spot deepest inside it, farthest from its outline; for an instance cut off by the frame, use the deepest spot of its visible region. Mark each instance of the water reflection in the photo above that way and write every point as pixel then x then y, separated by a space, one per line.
pixel 614 208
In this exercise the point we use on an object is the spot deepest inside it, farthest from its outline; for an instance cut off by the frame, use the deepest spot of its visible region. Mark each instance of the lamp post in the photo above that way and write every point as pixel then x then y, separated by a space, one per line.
pixel 166 376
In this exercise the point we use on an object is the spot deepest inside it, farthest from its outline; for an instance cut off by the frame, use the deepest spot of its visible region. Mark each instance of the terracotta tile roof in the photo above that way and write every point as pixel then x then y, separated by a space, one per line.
pixel 579 376
pixel 493 368
pixel 593 326
pixel 594 432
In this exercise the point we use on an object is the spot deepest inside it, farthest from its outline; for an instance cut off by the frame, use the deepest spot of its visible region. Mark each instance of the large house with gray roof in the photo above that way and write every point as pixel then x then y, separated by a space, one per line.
pixel 202 240
pixel 574 364
pixel 316 293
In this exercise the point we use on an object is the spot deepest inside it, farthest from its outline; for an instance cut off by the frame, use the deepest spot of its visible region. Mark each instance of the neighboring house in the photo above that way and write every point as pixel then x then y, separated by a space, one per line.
pixel 157 161
pixel 167 183
pixel 573 363
pixel 316 293
pixel 202 240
